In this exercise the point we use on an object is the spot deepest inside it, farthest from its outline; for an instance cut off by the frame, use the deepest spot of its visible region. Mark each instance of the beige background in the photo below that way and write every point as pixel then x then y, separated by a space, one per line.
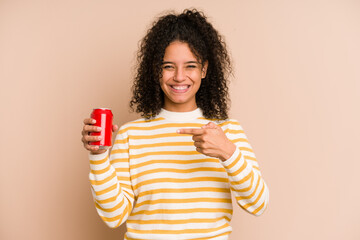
pixel 296 92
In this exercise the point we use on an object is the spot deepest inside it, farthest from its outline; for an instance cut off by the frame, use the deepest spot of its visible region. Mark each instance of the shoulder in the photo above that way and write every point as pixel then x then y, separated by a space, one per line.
pixel 231 126
pixel 221 122
pixel 228 123
pixel 225 124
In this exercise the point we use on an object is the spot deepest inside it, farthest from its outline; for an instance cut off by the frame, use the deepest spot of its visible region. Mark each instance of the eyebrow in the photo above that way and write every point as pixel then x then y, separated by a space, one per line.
pixel 168 62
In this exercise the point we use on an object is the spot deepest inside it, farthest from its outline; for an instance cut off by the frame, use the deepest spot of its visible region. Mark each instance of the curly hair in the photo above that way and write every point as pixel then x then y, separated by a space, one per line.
pixel 205 43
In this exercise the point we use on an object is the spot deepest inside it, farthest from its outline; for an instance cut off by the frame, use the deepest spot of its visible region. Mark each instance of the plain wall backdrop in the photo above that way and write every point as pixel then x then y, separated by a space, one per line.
pixel 295 90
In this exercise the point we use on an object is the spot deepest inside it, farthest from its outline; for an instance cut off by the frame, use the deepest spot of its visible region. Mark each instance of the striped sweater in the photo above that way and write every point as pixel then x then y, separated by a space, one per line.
pixel 157 182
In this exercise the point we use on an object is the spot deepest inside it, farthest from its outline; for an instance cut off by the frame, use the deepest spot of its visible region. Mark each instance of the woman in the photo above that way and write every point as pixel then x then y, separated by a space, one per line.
pixel 169 174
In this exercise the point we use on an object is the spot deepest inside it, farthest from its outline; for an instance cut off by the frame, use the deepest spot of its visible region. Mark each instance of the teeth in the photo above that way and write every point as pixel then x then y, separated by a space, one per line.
pixel 180 87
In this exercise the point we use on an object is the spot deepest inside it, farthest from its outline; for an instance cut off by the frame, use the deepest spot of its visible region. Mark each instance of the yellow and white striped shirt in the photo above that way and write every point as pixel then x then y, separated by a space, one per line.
pixel 157 182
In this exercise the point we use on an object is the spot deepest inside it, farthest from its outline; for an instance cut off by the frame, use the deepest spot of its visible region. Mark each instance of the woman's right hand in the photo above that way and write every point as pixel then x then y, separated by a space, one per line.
pixel 86 138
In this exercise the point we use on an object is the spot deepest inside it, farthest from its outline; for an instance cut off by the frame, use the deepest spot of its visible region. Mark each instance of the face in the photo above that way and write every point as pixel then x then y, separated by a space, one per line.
pixel 181 77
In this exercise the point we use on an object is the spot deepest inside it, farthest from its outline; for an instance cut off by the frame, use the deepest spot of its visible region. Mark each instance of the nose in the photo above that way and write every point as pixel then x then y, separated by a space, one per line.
pixel 179 75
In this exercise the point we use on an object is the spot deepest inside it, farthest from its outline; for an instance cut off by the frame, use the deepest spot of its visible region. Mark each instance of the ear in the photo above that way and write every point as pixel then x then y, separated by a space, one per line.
pixel 204 69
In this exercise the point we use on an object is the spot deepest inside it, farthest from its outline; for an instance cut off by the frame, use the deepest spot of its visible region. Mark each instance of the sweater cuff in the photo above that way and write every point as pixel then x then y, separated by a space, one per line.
pixel 99 161
pixel 97 157
pixel 231 160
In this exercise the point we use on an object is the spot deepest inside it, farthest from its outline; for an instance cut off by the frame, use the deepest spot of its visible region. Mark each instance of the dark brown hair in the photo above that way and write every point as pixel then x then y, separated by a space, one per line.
pixel 191 27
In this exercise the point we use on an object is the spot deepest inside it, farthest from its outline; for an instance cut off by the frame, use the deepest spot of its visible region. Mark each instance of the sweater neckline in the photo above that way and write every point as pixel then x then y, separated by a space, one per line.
pixel 180 116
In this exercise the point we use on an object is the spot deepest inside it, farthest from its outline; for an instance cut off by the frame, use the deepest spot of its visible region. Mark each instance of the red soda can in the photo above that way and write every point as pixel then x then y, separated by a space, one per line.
pixel 104 118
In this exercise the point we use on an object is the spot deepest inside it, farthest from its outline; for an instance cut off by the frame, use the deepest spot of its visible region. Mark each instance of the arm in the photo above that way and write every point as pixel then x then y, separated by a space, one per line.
pixel 236 155
pixel 110 182
pixel 249 188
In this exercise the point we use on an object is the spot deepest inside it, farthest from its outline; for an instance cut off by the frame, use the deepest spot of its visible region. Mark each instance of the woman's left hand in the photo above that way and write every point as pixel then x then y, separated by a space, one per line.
pixel 211 141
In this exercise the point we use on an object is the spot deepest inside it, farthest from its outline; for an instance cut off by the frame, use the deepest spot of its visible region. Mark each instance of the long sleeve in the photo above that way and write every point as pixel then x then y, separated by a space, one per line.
pixel 247 184
pixel 110 182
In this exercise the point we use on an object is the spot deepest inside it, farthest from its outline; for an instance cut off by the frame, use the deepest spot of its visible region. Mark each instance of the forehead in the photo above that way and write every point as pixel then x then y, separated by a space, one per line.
pixel 179 52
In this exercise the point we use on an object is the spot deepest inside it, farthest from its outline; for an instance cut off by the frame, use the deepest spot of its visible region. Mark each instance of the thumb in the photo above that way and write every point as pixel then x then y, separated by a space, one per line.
pixel 115 128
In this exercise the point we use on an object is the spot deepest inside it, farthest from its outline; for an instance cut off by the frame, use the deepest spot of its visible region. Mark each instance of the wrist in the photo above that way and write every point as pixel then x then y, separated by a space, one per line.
pixel 97 152
pixel 98 156
pixel 228 151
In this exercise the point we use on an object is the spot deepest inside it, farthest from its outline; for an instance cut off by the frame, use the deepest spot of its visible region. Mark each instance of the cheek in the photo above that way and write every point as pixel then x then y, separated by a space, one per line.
pixel 166 75
pixel 161 79
pixel 162 84
pixel 197 77
pixel 197 74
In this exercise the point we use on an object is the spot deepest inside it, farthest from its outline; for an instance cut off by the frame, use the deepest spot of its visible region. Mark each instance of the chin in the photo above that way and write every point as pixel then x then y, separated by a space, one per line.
pixel 178 101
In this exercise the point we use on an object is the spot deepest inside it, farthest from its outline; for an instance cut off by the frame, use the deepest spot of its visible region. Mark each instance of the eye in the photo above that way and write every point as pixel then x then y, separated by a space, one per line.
pixel 191 66
pixel 168 67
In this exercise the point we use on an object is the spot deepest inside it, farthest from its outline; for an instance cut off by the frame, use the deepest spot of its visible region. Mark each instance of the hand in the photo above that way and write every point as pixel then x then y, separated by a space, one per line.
pixel 211 141
pixel 86 138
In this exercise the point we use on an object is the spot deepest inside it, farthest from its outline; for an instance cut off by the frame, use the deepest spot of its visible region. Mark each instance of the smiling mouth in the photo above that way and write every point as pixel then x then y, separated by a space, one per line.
pixel 179 89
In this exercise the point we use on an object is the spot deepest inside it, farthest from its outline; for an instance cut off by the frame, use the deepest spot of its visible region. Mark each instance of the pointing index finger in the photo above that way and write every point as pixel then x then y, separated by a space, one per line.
pixel 192 131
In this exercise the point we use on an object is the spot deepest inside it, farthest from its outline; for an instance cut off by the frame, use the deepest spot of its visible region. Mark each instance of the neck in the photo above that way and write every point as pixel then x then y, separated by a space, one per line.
pixel 180 107
pixel 180 116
